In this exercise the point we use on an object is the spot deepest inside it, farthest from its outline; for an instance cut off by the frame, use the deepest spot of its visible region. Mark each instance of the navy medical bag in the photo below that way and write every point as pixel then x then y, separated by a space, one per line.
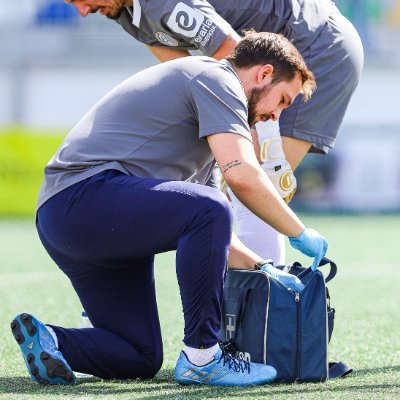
pixel 268 323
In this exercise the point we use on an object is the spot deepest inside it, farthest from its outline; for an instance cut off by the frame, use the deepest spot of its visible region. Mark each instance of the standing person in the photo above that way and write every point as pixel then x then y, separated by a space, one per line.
pixel 120 190
pixel 327 41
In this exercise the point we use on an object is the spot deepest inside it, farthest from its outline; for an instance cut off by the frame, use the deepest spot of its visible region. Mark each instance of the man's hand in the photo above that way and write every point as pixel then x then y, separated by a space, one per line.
pixel 289 280
pixel 312 244
pixel 272 158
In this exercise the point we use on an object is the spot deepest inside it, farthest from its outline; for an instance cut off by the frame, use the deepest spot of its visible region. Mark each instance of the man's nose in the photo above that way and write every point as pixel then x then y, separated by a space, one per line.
pixel 274 115
pixel 82 8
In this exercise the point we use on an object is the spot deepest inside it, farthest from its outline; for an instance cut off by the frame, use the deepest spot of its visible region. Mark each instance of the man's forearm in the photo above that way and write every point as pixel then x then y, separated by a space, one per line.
pixel 242 172
pixel 258 194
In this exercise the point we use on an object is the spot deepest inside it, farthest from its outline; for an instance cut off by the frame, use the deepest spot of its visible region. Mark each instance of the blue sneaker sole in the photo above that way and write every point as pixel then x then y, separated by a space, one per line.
pixel 189 382
pixel 46 368
pixel 232 384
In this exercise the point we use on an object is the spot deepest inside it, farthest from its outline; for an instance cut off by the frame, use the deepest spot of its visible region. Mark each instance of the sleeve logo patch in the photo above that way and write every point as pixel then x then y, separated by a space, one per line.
pixel 166 39
pixel 185 20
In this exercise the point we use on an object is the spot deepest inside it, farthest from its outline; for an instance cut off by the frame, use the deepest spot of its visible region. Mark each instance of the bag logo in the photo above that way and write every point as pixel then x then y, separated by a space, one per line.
pixel 166 39
pixel 185 20
pixel 230 324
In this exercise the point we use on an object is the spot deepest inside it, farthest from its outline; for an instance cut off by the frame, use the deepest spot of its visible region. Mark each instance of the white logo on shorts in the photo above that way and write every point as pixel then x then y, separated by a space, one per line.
pixel 166 39
pixel 185 20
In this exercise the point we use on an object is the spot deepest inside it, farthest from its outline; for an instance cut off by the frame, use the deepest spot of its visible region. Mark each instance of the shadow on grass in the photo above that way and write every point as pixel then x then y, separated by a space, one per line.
pixel 360 372
pixel 164 381
pixel 165 384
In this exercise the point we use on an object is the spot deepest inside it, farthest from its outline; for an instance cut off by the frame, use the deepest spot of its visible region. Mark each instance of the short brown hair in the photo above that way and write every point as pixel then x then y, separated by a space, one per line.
pixel 271 48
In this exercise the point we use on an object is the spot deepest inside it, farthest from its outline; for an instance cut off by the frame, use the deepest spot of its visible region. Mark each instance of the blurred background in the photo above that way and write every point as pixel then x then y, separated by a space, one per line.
pixel 55 65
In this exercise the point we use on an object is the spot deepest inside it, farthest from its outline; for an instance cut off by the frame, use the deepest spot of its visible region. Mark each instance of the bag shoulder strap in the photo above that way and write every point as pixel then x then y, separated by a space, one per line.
pixel 229 345
pixel 339 370
pixel 242 307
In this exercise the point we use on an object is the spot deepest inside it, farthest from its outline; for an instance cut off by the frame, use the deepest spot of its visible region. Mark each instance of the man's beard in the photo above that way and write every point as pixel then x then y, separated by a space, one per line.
pixel 116 15
pixel 253 99
pixel 118 11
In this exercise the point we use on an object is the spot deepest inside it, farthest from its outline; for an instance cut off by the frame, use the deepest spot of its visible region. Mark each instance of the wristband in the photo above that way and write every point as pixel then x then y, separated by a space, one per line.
pixel 258 265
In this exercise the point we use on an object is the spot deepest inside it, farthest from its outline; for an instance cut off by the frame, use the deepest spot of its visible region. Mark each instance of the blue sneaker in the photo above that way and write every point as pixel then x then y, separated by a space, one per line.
pixel 45 363
pixel 224 370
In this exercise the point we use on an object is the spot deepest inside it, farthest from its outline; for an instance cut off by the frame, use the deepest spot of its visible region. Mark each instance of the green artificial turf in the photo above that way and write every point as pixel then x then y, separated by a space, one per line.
pixel 365 293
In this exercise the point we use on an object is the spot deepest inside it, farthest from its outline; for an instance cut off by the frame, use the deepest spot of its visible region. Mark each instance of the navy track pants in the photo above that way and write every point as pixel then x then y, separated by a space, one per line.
pixel 103 233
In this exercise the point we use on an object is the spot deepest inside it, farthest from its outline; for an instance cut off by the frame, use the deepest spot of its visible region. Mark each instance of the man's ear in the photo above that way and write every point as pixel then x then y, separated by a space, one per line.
pixel 264 74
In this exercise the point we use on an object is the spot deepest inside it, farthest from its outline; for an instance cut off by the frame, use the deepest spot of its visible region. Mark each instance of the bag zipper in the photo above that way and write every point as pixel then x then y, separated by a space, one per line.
pixel 298 334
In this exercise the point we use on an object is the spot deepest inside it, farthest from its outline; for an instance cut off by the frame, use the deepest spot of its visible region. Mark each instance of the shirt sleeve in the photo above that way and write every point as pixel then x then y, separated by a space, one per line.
pixel 125 20
pixel 219 103
pixel 197 23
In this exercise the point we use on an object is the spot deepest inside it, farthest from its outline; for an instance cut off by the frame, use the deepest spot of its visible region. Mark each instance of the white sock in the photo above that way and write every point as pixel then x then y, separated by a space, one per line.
pixel 200 357
pixel 53 335
pixel 256 234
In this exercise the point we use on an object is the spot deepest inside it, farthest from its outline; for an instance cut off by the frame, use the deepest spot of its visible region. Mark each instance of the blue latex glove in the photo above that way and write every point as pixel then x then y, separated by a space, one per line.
pixel 312 244
pixel 291 281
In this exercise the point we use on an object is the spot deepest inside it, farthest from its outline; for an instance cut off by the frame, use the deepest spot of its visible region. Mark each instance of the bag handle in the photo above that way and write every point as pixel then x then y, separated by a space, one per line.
pixel 324 261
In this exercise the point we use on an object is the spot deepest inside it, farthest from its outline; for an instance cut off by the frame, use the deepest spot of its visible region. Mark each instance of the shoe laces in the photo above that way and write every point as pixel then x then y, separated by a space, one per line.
pixel 237 364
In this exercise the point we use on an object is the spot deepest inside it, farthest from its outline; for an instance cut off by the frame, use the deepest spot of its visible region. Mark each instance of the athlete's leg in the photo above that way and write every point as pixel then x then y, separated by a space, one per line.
pixel 295 150
pixel 126 339
pixel 256 234
pixel 108 228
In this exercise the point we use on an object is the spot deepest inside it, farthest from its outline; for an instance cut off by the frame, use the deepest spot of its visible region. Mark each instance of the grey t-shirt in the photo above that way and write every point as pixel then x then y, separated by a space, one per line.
pixel 202 25
pixel 154 125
